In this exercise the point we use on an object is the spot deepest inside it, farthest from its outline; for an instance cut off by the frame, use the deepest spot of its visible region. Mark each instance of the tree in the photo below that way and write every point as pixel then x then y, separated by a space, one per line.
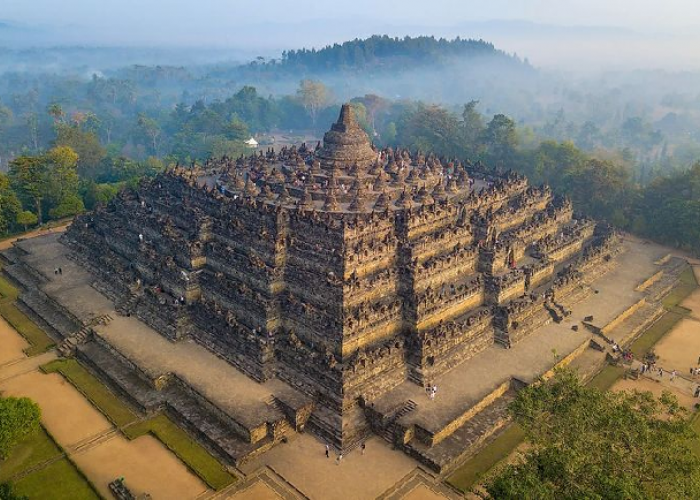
pixel 373 104
pixel 7 492
pixel 5 117
pixel 236 129
pixel 432 129
pixel 587 443
pixel 501 140
pixel 151 129
pixel 62 178
pixel 86 144
pixel 26 218
pixel 472 128
pixel 10 205
pixel 70 205
pixel 56 112
pixel 31 121
pixel 19 418
pixel 313 95
pixel 28 178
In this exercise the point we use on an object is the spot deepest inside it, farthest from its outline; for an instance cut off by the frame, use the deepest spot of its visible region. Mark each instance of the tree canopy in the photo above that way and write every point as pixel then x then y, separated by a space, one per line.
pixel 591 444
pixel 19 417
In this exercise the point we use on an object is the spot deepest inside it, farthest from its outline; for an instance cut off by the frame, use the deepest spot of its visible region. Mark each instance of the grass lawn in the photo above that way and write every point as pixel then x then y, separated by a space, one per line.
pixel 7 290
pixel 695 423
pixel 606 377
pixel 94 390
pixel 32 451
pixel 686 285
pixel 187 449
pixel 60 480
pixel 467 475
pixel 39 341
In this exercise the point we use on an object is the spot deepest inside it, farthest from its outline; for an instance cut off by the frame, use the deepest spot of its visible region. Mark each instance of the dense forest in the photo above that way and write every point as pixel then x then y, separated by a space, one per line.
pixel 386 53
pixel 626 150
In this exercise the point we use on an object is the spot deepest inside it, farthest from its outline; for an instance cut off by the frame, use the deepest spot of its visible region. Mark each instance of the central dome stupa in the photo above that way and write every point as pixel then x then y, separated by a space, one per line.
pixel 346 144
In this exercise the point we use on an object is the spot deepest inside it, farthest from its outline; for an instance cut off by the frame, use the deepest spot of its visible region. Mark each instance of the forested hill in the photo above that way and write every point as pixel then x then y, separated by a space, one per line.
pixel 391 53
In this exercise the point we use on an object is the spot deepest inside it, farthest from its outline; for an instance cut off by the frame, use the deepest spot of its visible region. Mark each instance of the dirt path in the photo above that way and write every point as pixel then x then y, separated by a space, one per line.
pixel 7 243
pixel 12 345
pixel 147 465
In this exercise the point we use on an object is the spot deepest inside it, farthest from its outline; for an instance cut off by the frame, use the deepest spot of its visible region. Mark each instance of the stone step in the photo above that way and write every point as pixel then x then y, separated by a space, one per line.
pixel 24 276
pixel 210 429
pixel 120 376
pixel 48 311
pixel 13 254
pixel 466 440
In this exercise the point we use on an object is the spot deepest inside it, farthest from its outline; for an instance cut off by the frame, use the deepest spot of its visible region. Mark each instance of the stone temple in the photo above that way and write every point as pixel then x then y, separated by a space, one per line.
pixel 341 280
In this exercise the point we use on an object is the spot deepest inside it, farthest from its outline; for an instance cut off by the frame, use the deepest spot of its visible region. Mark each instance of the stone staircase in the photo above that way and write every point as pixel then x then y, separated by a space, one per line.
pixel 388 430
pixel 46 309
pixel 127 306
pixel 69 344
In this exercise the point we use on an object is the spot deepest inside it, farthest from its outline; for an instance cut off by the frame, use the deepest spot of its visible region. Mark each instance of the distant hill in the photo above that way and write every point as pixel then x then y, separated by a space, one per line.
pixel 420 67
pixel 389 53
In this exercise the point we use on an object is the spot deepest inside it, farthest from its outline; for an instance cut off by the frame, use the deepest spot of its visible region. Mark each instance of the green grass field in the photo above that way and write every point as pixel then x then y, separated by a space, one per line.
pixel 686 285
pixel 38 340
pixel 32 451
pixel 94 390
pixel 496 451
pixel 606 377
pixel 187 449
pixel 7 290
pixel 57 481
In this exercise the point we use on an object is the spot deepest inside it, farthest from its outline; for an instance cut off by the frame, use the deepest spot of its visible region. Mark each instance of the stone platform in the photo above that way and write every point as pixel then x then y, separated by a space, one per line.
pixel 239 418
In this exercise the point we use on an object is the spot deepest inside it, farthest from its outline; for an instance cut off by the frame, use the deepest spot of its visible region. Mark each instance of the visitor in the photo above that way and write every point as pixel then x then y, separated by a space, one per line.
pixel 697 392
pixel 363 446
pixel 328 451
pixel 340 457
pixel 673 375
pixel 60 271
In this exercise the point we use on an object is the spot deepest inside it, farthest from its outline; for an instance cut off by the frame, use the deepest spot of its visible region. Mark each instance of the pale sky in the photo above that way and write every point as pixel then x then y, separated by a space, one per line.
pixel 658 33
pixel 645 15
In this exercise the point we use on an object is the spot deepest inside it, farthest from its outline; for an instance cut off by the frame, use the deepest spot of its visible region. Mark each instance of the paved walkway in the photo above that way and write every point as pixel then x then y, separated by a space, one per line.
pixel 303 463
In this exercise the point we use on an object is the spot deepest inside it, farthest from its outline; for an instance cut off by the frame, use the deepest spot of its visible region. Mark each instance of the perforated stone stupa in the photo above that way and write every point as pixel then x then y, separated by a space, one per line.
pixel 348 274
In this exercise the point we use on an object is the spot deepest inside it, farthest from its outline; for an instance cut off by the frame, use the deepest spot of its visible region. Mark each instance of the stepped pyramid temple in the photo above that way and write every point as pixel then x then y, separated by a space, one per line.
pixel 340 290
